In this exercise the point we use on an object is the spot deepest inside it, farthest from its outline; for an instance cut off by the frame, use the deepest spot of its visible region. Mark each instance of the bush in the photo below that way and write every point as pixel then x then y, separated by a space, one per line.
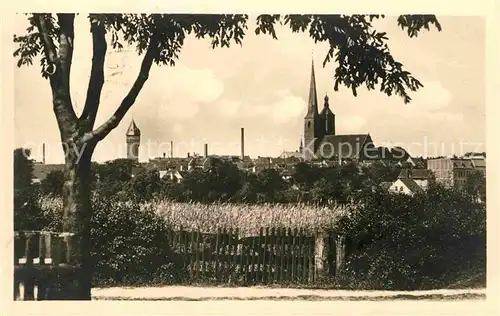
pixel 420 242
pixel 27 212
pixel 129 244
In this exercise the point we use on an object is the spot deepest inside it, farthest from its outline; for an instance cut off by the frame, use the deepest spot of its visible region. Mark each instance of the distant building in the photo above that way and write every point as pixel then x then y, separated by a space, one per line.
pixel 405 186
pixel 320 139
pixel 422 177
pixel 453 172
pixel 290 154
pixel 172 174
pixel 133 137
pixel 479 164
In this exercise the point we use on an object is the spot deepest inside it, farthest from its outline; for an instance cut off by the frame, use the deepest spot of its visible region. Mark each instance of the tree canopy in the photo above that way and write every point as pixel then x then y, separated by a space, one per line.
pixel 23 168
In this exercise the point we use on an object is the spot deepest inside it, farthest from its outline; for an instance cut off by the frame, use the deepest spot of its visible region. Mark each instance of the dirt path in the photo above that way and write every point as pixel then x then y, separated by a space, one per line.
pixel 256 293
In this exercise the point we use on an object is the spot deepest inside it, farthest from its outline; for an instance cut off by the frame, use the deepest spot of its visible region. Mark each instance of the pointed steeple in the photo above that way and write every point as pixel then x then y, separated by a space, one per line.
pixel 133 130
pixel 301 146
pixel 312 105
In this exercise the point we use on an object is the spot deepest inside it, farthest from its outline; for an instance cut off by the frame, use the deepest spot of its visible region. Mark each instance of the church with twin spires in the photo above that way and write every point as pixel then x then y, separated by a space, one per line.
pixel 320 138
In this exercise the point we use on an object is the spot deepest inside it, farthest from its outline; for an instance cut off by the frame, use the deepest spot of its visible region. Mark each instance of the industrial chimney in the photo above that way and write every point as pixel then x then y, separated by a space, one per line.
pixel 163 155
pixel 43 153
pixel 242 143
pixel 206 151
pixel 171 149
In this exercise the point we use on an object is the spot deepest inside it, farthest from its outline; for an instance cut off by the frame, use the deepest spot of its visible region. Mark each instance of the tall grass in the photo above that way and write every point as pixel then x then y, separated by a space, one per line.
pixel 248 218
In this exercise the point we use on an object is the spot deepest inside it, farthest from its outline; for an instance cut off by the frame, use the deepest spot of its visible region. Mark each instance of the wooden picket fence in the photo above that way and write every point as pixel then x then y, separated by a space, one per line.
pixel 275 255
pixel 44 267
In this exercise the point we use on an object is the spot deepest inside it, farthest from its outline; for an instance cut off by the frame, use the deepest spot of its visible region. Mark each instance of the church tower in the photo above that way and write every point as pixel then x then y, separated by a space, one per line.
pixel 311 120
pixel 133 141
pixel 327 118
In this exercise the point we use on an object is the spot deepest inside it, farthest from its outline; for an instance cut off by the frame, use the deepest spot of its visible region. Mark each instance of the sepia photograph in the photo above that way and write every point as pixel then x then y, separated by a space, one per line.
pixel 283 157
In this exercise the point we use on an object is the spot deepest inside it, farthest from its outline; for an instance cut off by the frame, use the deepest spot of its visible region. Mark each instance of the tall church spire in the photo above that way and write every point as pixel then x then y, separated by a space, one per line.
pixel 312 105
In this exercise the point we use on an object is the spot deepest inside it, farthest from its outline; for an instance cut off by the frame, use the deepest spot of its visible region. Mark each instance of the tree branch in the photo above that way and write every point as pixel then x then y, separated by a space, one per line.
pixel 66 39
pixel 102 131
pixel 96 81
pixel 48 45
pixel 59 79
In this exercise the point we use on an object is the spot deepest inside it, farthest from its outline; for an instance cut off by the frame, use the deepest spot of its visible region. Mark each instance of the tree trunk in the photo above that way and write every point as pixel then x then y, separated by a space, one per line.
pixel 76 219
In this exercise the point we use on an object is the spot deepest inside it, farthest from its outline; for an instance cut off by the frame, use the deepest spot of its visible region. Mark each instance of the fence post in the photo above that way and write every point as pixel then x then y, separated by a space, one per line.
pixel 321 249
pixel 340 255
pixel 274 262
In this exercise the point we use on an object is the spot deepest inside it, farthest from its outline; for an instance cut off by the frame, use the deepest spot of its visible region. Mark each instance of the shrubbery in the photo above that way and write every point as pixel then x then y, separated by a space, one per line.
pixel 419 242
pixel 27 212
pixel 395 241
pixel 129 243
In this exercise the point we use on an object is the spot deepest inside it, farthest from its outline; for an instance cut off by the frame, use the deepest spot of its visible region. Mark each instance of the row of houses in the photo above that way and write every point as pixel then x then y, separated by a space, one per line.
pixel 450 172
pixel 447 171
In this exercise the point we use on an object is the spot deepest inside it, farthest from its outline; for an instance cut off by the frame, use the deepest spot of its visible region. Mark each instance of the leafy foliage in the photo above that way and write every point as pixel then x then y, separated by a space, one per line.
pixel 53 183
pixel 222 181
pixel 129 242
pixel 145 185
pixel 379 172
pixel 27 214
pixel 476 185
pixel 113 176
pixel 23 168
pixel 360 52
pixel 418 242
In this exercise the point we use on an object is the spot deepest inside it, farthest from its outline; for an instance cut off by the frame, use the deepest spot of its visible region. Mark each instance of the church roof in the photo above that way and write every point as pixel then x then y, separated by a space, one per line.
pixel 348 146
pixel 326 111
pixel 133 130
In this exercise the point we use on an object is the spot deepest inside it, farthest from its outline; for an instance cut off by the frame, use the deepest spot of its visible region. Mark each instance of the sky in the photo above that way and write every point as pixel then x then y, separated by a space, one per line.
pixel 263 87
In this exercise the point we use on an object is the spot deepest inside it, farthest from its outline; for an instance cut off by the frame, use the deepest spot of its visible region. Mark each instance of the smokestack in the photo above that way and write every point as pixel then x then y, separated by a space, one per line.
pixel 164 155
pixel 206 151
pixel 188 155
pixel 171 149
pixel 242 143
pixel 43 153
